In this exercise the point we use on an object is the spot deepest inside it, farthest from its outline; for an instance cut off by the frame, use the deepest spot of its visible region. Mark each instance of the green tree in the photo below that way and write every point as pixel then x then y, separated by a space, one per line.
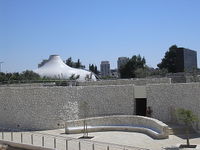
pixel 3 77
pixel 29 75
pixel 93 68
pixel 188 118
pixel 128 70
pixel 78 64
pixel 69 62
pixel 8 76
pixel 13 77
pixel 169 60
pixel 142 72
pixel 73 64
pixel 16 76
pixel 148 71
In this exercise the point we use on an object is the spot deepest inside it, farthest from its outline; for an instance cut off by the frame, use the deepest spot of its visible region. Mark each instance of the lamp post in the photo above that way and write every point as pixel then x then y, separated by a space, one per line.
pixel 1 65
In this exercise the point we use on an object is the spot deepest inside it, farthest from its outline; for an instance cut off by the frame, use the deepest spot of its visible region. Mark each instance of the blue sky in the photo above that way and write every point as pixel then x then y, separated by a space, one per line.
pixel 94 30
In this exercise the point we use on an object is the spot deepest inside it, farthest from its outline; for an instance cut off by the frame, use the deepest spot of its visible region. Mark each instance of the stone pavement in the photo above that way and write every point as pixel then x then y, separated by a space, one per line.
pixel 133 139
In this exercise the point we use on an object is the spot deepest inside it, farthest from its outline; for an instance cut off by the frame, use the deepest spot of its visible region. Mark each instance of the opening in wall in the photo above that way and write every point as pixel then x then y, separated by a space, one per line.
pixel 140 106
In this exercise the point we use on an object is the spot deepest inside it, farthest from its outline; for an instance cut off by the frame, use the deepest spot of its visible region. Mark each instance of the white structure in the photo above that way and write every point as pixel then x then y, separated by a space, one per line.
pixel 130 123
pixel 105 68
pixel 54 67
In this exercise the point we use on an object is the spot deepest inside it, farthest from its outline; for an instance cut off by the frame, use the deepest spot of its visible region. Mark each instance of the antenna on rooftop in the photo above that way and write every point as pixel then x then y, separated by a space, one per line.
pixel 1 65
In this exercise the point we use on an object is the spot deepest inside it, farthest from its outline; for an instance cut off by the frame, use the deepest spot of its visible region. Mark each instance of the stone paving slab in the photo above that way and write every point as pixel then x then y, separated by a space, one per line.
pixel 134 139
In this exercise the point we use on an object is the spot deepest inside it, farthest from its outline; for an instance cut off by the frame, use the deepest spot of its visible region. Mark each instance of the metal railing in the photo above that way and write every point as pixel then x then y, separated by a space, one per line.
pixel 60 142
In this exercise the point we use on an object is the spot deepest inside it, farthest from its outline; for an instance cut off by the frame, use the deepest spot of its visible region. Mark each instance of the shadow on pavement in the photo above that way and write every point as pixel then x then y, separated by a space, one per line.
pixel 170 148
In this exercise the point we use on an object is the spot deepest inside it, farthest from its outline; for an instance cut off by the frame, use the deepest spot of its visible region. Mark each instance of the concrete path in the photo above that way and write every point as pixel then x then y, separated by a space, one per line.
pixel 134 139
pixel 100 140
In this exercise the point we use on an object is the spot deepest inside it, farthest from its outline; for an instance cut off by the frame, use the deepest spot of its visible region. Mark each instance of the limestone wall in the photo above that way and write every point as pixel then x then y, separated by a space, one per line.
pixel 165 98
pixel 49 107
pixel 193 78
pixel 105 100
pixel 139 81
pixel 37 107
pixel 122 122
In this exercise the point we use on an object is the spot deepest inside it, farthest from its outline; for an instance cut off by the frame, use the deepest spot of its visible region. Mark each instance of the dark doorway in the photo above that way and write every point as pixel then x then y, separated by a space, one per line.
pixel 141 104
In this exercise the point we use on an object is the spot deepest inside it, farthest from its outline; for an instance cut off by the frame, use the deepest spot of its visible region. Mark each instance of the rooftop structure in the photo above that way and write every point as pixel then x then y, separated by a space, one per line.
pixel 54 67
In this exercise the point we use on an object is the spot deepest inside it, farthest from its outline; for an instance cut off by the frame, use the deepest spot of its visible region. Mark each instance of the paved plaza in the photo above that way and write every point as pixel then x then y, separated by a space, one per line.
pixel 133 139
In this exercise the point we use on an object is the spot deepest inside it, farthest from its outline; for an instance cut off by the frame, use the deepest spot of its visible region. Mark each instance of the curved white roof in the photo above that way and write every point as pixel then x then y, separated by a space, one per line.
pixel 56 68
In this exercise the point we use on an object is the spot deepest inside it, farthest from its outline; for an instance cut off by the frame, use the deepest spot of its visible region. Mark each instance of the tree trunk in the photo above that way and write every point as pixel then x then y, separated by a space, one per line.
pixel 187 133
pixel 188 142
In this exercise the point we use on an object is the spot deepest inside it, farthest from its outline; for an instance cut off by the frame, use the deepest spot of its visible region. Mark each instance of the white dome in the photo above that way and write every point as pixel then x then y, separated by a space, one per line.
pixel 56 68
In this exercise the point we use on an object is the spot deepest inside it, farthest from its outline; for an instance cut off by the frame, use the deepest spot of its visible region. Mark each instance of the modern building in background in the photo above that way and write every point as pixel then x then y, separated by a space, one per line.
pixel 186 60
pixel 114 73
pixel 105 68
pixel 121 62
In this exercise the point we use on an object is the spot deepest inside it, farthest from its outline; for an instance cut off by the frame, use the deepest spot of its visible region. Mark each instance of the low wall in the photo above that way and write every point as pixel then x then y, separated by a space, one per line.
pixel 124 121
pixel 135 81
pixel 192 79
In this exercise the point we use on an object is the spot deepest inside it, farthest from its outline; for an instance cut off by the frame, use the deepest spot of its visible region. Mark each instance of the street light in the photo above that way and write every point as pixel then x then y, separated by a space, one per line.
pixel 1 65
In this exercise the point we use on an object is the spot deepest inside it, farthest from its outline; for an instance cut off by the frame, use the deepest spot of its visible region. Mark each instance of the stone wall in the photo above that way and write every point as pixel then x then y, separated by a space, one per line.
pixel 165 98
pixel 147 125
pixel 192 79
pixel 105 100
pixel 48 107
pixel 32 107
pixel 37 107
pixel 135 81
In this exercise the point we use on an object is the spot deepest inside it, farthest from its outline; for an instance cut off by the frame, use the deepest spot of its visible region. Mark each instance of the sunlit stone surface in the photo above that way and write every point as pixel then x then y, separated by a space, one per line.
pixel 56 68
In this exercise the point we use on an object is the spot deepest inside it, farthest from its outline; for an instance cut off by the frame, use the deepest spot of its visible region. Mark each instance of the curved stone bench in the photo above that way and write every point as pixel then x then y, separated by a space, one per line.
pixel 132 123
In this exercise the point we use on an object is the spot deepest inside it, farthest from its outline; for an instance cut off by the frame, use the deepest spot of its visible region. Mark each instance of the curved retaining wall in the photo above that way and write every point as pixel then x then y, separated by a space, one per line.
pixel 149 126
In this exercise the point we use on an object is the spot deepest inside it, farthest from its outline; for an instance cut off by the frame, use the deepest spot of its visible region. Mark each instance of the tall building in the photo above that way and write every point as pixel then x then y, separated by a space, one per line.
pixel 186 60
pixel 105 68
pixel 121 62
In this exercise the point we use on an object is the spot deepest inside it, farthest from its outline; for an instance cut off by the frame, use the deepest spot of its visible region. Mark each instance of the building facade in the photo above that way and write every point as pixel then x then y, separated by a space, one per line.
pixel 121 62
pixel 186 60
pixel 105 68
pixel 114 73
